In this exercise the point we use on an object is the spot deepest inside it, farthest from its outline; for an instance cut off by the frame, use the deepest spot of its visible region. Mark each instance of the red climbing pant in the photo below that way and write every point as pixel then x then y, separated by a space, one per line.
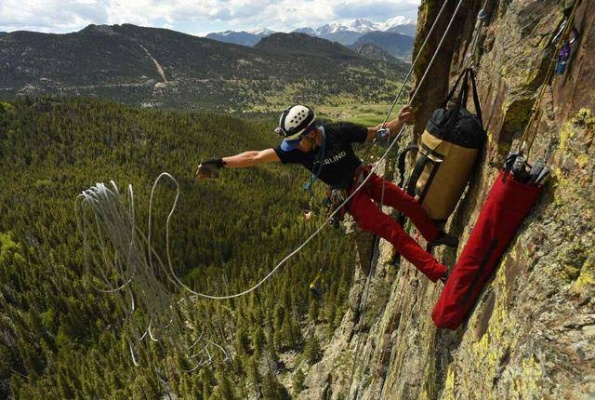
pixel 370 218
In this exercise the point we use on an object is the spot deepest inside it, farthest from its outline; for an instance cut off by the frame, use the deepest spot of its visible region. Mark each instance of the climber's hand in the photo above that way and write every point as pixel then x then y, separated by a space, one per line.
pixel 209 169
pixel 406 115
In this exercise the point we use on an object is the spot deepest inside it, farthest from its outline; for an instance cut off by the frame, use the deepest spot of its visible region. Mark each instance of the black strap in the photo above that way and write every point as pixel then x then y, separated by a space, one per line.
pixel 420 166
pixel 465 76
pixel 461 103
pixel 476 102
pixel 428 184
pixel 417 171
pixel 454 88
pixel 401 162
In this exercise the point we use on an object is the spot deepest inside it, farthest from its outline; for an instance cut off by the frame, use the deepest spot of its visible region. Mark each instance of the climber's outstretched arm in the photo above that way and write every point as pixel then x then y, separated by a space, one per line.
pixel 209 168
pixel 250 158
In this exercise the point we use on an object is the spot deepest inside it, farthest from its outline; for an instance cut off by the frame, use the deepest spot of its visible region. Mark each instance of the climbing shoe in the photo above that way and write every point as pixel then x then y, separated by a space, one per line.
pixel 445 239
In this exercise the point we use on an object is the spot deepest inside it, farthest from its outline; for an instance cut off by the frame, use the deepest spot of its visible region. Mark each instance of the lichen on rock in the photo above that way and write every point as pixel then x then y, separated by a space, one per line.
pixel 531 334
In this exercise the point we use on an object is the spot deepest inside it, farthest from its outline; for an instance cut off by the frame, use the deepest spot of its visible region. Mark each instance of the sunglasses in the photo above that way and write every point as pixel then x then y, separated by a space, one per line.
pixel 283 134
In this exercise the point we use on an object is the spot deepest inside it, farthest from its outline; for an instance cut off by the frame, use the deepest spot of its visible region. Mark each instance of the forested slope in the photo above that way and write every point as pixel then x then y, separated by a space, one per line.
pixel 61 338
pixel 149 67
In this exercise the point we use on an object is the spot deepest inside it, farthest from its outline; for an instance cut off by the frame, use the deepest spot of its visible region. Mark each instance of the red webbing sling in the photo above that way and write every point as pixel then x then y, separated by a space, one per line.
pixel 507 205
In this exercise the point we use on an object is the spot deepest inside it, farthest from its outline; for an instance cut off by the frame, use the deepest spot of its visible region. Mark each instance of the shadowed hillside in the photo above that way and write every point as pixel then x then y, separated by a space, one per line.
pixel 65 335
pixel 161 68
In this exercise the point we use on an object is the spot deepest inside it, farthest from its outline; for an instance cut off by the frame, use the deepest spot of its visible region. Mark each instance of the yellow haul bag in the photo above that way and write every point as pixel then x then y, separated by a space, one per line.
pixel 448 151
pixel 450 166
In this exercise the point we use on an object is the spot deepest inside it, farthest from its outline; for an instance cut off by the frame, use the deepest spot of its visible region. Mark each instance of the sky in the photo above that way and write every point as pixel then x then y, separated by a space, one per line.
pixel 195 17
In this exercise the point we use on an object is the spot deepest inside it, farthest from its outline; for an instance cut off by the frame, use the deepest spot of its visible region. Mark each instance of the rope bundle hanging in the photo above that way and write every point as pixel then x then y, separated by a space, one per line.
pixel 120 261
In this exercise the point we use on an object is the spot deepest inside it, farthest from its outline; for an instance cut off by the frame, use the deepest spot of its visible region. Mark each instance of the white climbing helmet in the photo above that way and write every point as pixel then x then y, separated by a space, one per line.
pixel 295 121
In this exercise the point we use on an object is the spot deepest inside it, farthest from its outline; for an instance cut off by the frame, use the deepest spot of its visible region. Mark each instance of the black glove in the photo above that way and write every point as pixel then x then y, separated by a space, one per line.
pixel 209 168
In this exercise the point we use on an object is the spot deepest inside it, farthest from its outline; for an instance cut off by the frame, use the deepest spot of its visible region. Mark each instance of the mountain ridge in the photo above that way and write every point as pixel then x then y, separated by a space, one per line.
pixel 396 44
pixel 347 34
pixel 301 43
pixel 159 67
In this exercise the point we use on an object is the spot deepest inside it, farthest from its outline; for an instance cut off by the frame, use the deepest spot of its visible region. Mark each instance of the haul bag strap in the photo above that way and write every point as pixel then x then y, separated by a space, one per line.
pixel 476 102
pixel 465 76
pixel 401 162
pixel 428 184
pixel 454 88
pixel 425 157
pixel 420 164
pixel 432 159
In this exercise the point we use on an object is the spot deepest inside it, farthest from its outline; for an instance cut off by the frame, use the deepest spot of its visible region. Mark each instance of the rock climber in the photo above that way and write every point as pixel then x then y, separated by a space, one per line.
pixel 326 151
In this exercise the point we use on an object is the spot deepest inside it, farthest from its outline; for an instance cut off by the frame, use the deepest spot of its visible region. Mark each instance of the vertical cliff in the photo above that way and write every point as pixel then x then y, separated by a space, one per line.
pixel 531 334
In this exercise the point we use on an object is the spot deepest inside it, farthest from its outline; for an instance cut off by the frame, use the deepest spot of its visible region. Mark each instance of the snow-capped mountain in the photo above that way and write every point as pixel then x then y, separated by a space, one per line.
pixel 395 23
pixel 307 31
pixel 349 32
pixel 262 32
pixel 356 26
pixel 346 33
pixel 362 26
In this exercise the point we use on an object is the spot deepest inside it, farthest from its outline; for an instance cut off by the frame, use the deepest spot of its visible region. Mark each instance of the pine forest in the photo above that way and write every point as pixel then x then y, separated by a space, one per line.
pixel 72 327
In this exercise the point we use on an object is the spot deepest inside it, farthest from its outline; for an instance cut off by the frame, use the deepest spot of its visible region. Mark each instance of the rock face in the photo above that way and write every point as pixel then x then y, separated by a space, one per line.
pixel 531 334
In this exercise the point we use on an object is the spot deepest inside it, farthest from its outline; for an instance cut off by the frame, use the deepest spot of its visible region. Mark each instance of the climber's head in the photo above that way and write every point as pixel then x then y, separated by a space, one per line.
pixel 294 124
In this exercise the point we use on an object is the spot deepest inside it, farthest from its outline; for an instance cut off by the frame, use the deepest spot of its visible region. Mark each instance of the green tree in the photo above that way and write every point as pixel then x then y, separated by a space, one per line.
pixel 298 382
pixel 224 389
pixel 272 389
pixel 312 350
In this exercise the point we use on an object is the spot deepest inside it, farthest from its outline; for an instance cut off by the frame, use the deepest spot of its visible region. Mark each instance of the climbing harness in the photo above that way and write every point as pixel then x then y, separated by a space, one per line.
pixel 335 197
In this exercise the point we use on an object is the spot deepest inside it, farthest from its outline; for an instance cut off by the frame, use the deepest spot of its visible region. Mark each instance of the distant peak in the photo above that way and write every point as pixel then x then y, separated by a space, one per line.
pixel 261 31
pixel 399 20
pixel 104 29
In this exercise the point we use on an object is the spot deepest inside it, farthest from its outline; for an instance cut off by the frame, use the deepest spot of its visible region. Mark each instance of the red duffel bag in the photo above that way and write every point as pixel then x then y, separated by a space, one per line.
pixel 507 205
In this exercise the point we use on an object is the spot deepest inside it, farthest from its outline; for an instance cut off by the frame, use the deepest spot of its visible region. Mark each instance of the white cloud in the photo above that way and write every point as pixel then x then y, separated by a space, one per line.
pixel 50 15
pixel 195 16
